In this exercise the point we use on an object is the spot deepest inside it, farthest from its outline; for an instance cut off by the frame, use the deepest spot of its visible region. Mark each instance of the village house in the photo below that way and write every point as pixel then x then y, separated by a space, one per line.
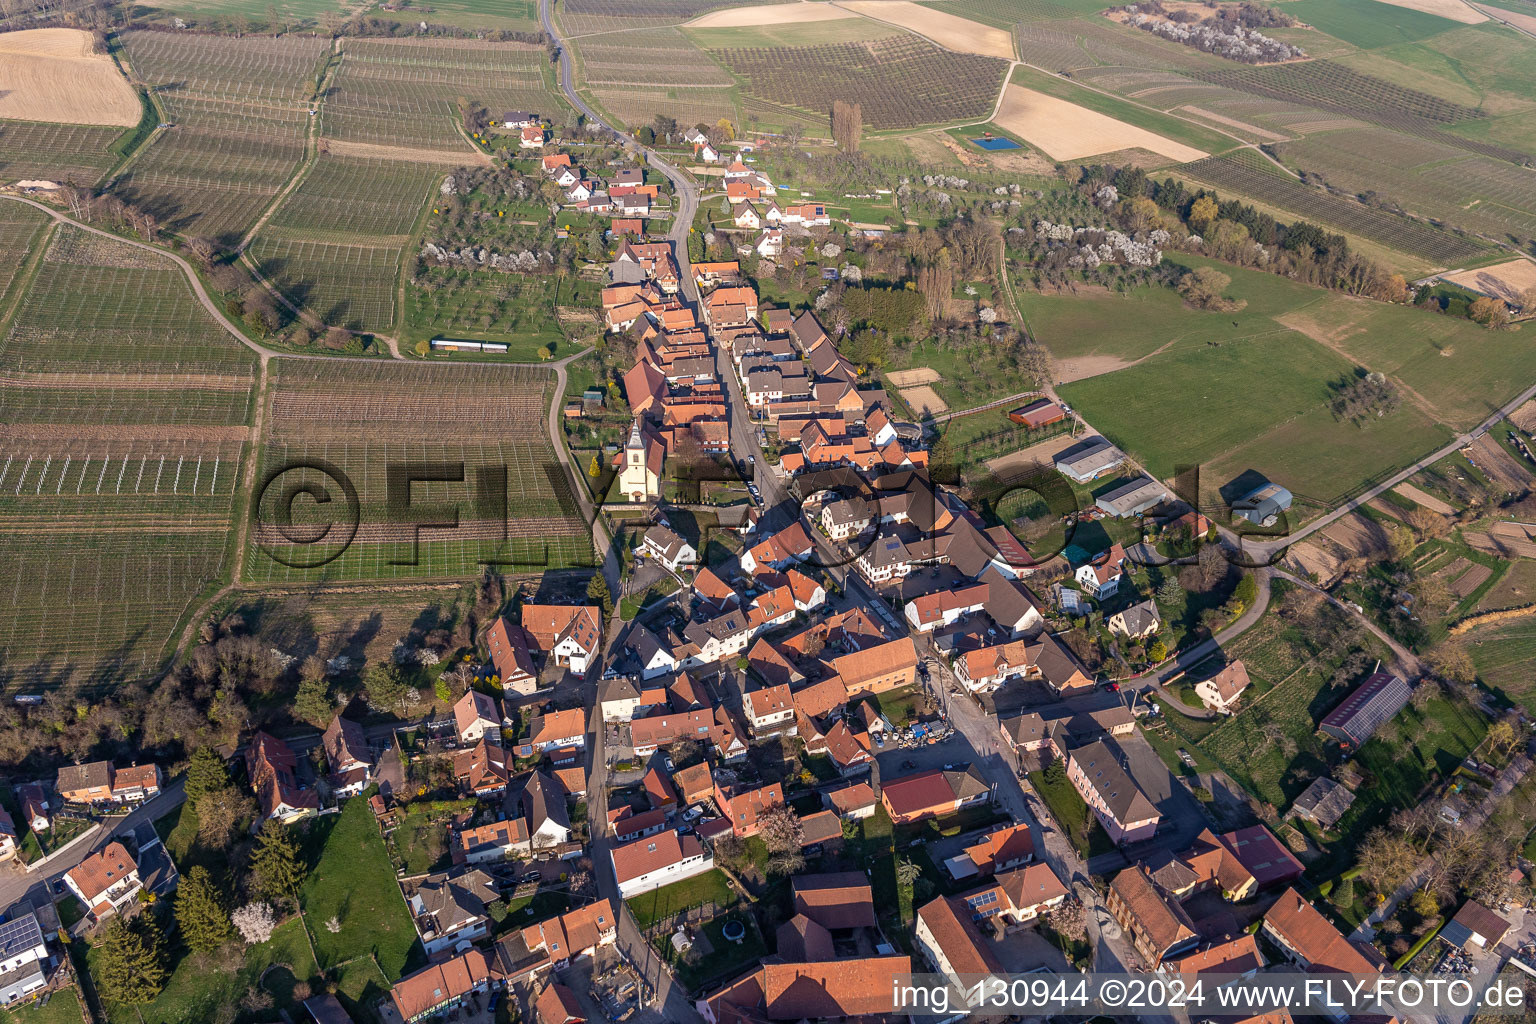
pixel 668 547
pixel 439 987
pixel 7 835
pixel 450 909
pixel 1100 576
pixel 1002 849
pixel 950 941
pixel 106 881
pixel 474 714
pixel 510 657
pixel 1239 956
pixel 35 809
pixel 531 137
pixel 1156 922
pixel 347 756
pixel 568 635
pixel 836 900
pixel 24 957
pixel 271 767
pixel 844 989
pixel 558 729
pixel 934 793
pixel 770 711
pixel 1017 897
pixel 481 770
pixel 650 863
pixel 878 668
pixel 1312 943
pixel 100 782
pixel 1105 786
pixel 851 802
pixel 1220 692
pixel 1138 622
pixel 491 843
pixel 743 807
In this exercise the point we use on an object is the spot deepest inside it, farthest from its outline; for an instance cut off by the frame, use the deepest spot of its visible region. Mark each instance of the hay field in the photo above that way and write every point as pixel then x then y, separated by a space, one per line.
pixel 1454 10
pixel 50 74
pixel 949 31
pixel 773 14
pixel 1503 280
pixel 1424 498
pixel 1066 131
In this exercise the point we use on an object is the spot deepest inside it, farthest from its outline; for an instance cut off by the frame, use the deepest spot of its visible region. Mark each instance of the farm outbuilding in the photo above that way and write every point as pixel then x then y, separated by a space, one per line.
pixel 1133 498
pixel 1086 462
pixel 1040 413
pixel 1262 506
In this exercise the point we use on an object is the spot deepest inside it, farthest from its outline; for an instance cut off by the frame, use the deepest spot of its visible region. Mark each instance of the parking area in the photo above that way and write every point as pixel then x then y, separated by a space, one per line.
pixel 1027 950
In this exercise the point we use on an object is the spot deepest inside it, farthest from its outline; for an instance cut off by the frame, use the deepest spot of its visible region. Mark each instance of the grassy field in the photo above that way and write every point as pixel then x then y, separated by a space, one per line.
pixel 1368 24
pixel 352 880
pixel 198 986
pixel 663 903
pixel 1450 374
pixel 514 15
pixel 63 1008
pixel 1072 815
pixel 127 407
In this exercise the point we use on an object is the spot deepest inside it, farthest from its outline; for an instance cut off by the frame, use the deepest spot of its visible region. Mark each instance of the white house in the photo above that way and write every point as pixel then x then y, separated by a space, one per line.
pixel 748 217
pixel 106 881
pixel 770 710
pixel 659 860
pixel 668 547
pixel 1221 691
pixel 578 191
pixel 619 698
pixel 705 152
pixel 770 243
pixel 1101 576
pixel 450 910
pixel 23 958
pixel 474 714
pixel 656 657
pixel 568 176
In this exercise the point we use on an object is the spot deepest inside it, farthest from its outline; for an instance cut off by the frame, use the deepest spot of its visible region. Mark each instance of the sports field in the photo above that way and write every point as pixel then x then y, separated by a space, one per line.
pixel 124 433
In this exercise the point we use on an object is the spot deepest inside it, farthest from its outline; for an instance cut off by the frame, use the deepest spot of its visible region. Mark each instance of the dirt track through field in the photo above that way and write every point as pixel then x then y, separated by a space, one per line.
pixel 50 74
pixel 1042 454
pixel 1066 131
pixel 949 31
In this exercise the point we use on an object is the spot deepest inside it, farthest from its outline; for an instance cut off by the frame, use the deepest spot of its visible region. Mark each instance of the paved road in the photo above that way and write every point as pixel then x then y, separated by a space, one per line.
pixel 668 995
pixel 16 883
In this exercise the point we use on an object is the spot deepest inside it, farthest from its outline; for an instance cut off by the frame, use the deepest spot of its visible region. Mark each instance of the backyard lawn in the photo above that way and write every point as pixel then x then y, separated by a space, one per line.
pixel 353 881
pixel 63 1008
pixel 662 904
pixel 198 986
pixel 1073 816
